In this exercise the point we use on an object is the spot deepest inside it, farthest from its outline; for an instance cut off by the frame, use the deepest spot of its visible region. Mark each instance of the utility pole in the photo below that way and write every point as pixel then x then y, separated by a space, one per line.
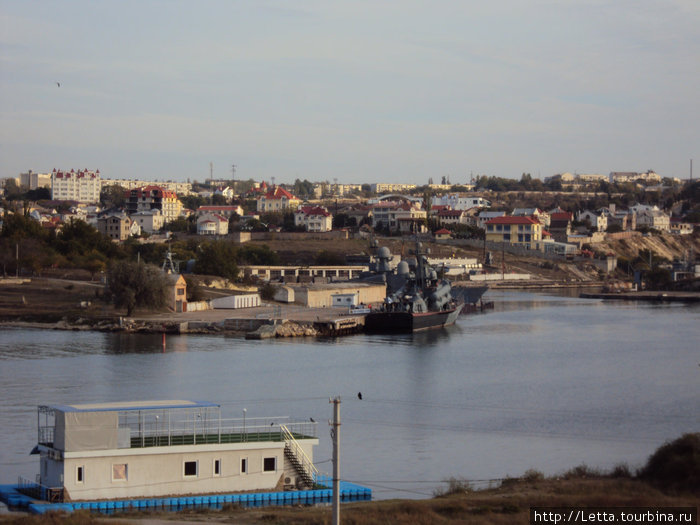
pixel 335 431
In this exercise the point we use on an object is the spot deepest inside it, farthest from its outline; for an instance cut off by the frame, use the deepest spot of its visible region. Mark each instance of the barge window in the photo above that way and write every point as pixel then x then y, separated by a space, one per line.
pixel 79 474
pixel 217 467
pixel 244 465
pixel 269 464
pixel 190 468
pixel 120 472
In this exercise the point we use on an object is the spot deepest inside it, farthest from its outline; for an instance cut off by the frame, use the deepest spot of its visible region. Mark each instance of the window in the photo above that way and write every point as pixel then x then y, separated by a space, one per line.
pixel 120 472
pixel 244 465
pixel 80 474
pixel 190 468
pixel 269 464
pixel 217 467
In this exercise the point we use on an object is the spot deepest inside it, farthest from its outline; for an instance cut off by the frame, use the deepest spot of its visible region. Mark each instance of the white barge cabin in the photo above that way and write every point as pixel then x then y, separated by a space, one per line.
pixel 168 448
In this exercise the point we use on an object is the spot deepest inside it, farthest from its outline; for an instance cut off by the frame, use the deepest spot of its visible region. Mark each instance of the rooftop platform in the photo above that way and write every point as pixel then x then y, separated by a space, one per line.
pixel 140 424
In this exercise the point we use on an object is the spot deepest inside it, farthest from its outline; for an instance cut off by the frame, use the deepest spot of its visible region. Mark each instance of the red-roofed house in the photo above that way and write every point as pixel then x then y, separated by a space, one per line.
pixel 277 199
pixel 314 219
pixel 514 230
pixel 560 224
pixel 443 233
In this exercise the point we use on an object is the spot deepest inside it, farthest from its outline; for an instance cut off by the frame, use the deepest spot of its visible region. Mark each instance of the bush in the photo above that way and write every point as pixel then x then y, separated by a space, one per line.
pixel 675 466
pixel 267 292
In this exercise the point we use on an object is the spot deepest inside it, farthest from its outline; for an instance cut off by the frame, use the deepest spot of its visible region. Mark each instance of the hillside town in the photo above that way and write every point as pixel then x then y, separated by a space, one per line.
pixel 625 230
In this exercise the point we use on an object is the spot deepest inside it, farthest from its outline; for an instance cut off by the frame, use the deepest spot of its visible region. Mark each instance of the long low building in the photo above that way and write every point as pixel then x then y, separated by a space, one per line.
pixel 294 273
pixel 329 295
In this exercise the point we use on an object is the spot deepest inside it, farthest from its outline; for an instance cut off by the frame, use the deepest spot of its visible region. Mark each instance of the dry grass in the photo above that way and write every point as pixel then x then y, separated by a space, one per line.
pixel 508 504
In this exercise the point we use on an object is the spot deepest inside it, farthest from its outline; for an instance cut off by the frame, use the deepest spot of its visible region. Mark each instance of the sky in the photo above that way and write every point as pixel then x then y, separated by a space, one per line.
pixel 354 91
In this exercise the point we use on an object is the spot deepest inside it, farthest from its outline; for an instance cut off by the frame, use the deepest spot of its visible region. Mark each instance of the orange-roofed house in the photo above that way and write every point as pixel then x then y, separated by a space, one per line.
pixel 525 231
pixel 277 199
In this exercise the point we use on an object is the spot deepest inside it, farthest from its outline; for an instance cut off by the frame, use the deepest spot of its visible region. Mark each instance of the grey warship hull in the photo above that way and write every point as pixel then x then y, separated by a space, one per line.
pixel 406 322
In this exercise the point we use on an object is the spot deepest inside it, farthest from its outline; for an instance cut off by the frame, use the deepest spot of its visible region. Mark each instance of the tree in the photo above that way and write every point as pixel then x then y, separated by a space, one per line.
pixel 132 285
pixel 218 200
pixel 12 190
pixel 257 255
pixel 38 194
pixel 329 258
pixel 113 196
pixel 217 258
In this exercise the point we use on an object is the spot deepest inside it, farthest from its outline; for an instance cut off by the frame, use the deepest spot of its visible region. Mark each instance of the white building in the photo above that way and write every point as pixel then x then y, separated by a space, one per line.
pixel 314 219
pixel 80 186
pixel 397 215
pixel 383 187
pixel 460 201
pixel 599 221
pixel 212 224
pixel 150 221
pixel 654 219
pixel 180 188
pixel 649 177
pixel 32 181
pixel 158 448
pixel 224 211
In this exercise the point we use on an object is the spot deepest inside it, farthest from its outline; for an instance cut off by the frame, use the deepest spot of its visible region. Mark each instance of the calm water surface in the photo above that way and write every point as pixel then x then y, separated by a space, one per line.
pixel 545 382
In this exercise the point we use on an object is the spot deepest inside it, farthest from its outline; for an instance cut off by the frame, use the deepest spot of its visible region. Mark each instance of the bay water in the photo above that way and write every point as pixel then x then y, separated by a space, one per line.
pixel 543 381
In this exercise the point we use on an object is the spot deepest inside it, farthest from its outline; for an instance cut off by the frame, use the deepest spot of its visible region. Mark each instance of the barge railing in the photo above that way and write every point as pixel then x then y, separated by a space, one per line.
pixel 200 432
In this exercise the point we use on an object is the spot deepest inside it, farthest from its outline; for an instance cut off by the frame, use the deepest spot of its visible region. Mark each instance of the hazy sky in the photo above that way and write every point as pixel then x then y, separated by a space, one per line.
pixel 361 91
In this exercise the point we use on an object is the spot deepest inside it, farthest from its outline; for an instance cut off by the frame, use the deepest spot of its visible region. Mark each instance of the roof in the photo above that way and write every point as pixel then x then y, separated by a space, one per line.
pixel 133 405
pixel 450 213
pixel 147 190
pixel 513 220
pixel 314 210
pixel 279 193
pixel 443 231
pixel 561 216
pixel 221 208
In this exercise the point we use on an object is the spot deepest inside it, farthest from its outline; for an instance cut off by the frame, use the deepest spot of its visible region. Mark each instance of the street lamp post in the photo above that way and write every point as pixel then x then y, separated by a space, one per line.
pixel 245 436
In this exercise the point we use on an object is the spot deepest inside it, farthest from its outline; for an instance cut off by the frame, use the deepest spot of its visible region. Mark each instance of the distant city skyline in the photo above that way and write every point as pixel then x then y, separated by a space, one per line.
pixel 355 91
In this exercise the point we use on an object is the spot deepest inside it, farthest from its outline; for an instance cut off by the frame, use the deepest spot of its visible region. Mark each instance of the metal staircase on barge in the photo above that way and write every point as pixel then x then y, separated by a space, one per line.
pixel 297 457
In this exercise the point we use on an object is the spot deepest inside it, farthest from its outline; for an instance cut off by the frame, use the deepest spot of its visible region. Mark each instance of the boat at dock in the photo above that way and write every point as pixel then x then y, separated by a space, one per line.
pixel 417 298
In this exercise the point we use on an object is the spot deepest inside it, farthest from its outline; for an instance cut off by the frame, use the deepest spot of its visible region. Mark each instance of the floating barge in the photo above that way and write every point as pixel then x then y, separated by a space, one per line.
pixel 170 455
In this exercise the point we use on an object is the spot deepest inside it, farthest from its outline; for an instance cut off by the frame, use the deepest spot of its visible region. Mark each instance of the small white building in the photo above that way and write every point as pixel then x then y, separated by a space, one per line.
pixel 599 221
pixel 654 219
pixel 174 447
pixel 212 224
pixel 150 221
pixel 344 299
pixel 460 201
pixel 249 300
pixel 313 218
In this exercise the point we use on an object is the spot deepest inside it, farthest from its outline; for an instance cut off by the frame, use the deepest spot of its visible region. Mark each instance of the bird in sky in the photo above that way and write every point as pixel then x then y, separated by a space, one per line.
pixel 312 420
pixel 359 395
pixel 58 84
